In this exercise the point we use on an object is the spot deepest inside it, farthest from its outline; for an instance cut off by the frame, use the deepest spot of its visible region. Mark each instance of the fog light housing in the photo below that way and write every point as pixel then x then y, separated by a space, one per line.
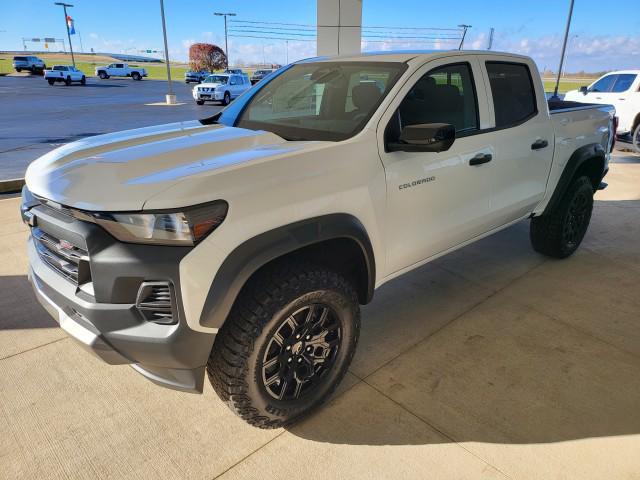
pixel 156 302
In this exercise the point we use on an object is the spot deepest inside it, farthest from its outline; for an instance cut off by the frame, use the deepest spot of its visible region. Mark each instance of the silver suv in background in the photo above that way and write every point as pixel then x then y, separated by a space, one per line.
pixel 28 62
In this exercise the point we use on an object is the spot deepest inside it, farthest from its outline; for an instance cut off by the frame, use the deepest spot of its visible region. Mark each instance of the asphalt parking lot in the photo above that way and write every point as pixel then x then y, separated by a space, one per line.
pixel 493 362
pixel 36 117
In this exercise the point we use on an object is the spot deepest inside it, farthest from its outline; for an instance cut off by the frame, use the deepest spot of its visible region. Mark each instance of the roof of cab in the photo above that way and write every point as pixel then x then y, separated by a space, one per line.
pixel 405 56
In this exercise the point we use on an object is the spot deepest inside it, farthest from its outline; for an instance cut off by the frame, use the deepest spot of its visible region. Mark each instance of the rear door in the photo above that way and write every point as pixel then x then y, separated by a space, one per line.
pixel 524 138
pixel 436 201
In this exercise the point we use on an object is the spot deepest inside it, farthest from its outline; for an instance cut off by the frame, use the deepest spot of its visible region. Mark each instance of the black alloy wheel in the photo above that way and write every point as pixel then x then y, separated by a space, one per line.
pixel 302 349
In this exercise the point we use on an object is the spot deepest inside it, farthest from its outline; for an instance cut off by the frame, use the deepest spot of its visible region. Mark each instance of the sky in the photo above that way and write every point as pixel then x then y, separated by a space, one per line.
pixel 601 38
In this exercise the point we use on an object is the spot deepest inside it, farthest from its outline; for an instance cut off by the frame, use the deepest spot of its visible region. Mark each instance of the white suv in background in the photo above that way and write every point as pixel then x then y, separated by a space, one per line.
pixel 28 62
pixel 221 87
pixel 620 89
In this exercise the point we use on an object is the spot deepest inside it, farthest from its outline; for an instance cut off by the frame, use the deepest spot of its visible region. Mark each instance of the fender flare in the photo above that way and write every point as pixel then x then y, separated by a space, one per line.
pixel 256 252
pixel 577 159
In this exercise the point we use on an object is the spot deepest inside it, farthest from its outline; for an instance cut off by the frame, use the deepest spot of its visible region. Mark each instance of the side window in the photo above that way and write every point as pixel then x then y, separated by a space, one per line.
pixel 444 95
pixel 604 84
pixel 514 99
pixel 623 83
pixel 119 65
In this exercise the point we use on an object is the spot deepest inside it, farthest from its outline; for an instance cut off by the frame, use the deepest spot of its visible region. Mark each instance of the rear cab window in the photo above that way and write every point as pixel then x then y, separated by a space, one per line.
pixel 513 92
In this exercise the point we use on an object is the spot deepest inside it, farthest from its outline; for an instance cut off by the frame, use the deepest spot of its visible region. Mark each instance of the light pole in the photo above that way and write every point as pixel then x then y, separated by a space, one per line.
pixel 564 49
pixel 64 7
pixel 171 98
pixel 226 45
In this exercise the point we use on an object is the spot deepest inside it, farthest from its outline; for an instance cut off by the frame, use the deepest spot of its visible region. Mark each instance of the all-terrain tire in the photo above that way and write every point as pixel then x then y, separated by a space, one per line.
pixel 237 365
pixel 559 233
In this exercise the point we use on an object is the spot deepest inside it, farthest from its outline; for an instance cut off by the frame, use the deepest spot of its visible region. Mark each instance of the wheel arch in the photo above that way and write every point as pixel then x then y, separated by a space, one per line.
pixel 587 160
pixel 337 240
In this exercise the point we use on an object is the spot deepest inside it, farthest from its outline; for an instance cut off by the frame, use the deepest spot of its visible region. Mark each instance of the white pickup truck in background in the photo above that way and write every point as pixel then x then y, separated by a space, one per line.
pixel 120 70
pixel 620 89
pixel 244 244
pixel 66 74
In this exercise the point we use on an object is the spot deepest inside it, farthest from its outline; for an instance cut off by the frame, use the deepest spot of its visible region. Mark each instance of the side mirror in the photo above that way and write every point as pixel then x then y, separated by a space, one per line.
pixel 426 137
pixel 584 90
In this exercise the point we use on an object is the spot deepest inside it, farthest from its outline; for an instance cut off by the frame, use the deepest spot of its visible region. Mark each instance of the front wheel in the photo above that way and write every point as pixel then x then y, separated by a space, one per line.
pixel 636 138
pixel 67 81
pixel 103 75
pixel 286 345
pixel 136 76
pixel 51 82
pixel 200 102
pixel 559 233
pixel 226 99
pixel 83 80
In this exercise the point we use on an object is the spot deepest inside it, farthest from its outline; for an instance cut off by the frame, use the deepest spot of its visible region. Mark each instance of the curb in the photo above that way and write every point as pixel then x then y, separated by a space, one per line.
pixel 11 186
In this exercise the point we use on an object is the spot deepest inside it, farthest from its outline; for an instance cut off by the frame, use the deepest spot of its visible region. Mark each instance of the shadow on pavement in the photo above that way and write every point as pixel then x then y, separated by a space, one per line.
pixel 19 307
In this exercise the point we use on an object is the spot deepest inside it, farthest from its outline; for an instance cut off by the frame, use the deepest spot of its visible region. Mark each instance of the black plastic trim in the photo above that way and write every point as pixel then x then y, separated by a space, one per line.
pixel 578 158
pixel 256 252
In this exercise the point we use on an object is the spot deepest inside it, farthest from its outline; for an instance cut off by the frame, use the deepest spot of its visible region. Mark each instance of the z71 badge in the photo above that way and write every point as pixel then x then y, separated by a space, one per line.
pixel 415 183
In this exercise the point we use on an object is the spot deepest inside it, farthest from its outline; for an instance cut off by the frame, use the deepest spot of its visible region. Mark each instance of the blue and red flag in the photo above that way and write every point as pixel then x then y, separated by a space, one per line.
pixel 72 30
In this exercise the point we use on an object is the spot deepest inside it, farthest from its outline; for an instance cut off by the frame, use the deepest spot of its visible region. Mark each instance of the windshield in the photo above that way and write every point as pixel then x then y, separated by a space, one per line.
pixel 216 79
pixel 320 100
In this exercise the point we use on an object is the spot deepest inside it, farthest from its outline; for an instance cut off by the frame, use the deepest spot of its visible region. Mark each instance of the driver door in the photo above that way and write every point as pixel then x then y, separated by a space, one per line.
pixel 437 200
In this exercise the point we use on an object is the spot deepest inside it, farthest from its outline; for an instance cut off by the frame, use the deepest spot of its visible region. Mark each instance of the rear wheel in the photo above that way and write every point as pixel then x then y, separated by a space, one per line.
pixel 636 138
pixel 18 70
pixel 136 76
pixel 67 81
pixel 83 80
pixel 51 82
pixel 559 232
pixel 286 345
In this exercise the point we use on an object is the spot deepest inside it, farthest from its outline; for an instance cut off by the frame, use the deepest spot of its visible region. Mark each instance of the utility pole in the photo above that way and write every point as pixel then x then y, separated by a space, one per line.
pixel 564 49
pixel 171 98
pixel 226 44
pixel 491 32
pixel 464 34
pixel 64 7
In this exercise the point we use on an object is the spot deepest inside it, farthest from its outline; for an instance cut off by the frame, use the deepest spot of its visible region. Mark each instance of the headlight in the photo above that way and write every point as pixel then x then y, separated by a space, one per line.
pixel 185 227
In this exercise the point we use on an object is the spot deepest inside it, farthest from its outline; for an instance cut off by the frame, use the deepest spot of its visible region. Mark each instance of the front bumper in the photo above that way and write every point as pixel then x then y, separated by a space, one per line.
pixel 210 96
pixel 108 324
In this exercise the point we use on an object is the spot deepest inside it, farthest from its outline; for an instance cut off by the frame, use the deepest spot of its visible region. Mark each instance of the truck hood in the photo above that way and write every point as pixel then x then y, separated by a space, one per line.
pixel 121 171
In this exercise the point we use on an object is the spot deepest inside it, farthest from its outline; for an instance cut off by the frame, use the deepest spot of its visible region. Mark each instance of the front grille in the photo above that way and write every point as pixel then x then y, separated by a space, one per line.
pixel 156 302
pixel 68 260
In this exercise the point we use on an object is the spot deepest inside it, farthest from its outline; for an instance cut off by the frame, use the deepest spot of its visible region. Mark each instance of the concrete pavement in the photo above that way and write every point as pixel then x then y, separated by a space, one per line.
pixel 492 362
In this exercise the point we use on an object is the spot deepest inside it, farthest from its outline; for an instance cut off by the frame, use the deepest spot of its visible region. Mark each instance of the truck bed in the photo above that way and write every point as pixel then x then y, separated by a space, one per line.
pixel 556 106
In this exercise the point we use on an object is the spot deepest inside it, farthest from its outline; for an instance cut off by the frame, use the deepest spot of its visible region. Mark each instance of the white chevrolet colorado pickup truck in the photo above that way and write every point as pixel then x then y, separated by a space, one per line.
pixel 243 244
pixel 120 70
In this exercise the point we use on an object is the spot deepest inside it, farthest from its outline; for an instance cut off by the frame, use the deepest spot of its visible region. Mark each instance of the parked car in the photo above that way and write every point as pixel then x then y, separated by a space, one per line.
pixel 260 74
pixel 620 89
pixel 64 73
pixel 221 87
pixel 28 62
pixel 120 70
pixel 243 244
pixel 196 77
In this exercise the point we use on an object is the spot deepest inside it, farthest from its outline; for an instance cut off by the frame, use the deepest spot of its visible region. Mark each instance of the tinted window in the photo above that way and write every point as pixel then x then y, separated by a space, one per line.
pixel 604 84
pixel 119 65
pixel 20 59
pixel 623 82
pixel 59 68
pixel 444 95
pixel 512 89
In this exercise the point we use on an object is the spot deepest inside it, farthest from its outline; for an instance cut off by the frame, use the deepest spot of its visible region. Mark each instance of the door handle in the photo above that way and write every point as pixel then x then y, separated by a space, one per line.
pixel 481 158
pixel 539 144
